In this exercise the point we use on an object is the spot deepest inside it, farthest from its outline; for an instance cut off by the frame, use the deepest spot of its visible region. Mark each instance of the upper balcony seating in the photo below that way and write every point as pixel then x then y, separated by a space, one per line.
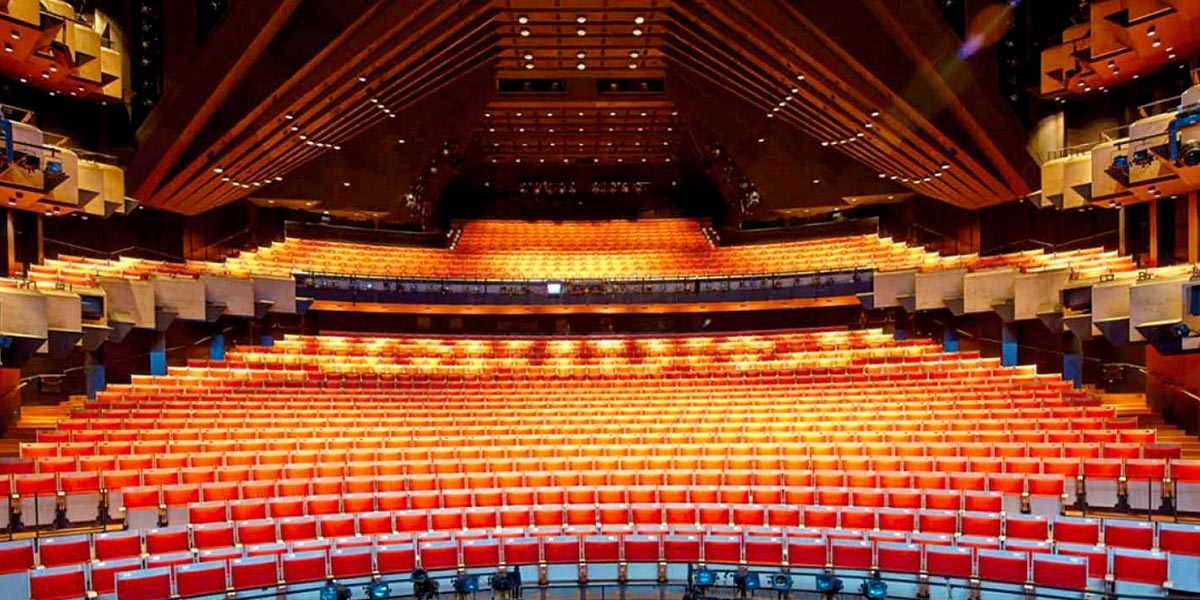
pixel 510 250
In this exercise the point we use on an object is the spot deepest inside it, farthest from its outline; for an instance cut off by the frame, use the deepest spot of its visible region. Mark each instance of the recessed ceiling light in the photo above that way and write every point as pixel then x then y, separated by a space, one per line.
pixel 581 55
pixel 528 56
pixel 528 65
pixel 637 31
pixel 634 54
pixel 874 114
pixel 639 19
pixel 762 140
pixel 581 19
pixel 816 181
pixel 581 32
pixel 519 114
pixel 581 114
pixel 218 170
pixel 524 32
pixel 400 141
pixel 362 79
pixel 345 184
pixel 523 19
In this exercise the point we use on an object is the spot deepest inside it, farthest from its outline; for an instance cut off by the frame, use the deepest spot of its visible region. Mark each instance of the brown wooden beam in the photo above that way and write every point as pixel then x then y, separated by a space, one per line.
pixel 182 114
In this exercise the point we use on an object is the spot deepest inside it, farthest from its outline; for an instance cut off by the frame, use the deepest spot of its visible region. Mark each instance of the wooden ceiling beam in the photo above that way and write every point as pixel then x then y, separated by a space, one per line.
pixel 176 121
pixel 383 60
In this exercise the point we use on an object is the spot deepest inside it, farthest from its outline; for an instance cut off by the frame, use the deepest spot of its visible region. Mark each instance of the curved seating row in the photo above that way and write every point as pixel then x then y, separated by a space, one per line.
pixel 161 563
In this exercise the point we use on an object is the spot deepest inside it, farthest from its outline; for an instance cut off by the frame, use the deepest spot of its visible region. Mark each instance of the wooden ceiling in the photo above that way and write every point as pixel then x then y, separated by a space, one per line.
pixel 1121 41
pixel 634 131
pixel 609 38
pixel 391 54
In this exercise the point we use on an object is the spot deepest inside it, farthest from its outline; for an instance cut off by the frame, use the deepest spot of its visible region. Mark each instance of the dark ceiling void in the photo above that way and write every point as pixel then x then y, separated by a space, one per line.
pixel 864 110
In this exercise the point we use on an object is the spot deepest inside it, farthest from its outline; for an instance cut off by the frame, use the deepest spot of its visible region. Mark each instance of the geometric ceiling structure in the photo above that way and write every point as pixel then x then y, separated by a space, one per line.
pixel 353 104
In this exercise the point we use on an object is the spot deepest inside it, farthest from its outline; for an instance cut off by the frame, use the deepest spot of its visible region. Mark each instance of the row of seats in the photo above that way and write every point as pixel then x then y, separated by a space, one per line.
pixel 978 529
pixel 521 250
pixel 643 234
pixel 584 554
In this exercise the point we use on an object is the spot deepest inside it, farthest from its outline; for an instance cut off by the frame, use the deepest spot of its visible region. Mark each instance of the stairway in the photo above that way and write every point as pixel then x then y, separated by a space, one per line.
pixel 34 418
pixel 1134 405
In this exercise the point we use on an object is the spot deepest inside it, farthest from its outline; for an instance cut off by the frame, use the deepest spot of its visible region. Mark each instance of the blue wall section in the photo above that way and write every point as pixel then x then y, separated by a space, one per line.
pixel 95 380
pixel 950 339
pixel 216 347
pixel 1073 368
pixel 158 355
pixel 1008 345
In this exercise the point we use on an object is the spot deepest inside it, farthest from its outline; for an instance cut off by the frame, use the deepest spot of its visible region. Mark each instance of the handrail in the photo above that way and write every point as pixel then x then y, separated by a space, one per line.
pixel 806 574
pixel 581 281
pixel 1047 245
pixel 115 254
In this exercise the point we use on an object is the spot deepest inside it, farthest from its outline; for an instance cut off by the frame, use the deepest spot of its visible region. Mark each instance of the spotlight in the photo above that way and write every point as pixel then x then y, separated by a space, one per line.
pixel 874 589
pixel 378 590
pixel 1190 153
pixel 335 591
pixel 1142 158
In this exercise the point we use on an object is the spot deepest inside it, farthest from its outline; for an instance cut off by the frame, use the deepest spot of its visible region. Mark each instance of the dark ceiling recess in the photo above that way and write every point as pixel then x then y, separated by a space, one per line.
pixel 867 97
